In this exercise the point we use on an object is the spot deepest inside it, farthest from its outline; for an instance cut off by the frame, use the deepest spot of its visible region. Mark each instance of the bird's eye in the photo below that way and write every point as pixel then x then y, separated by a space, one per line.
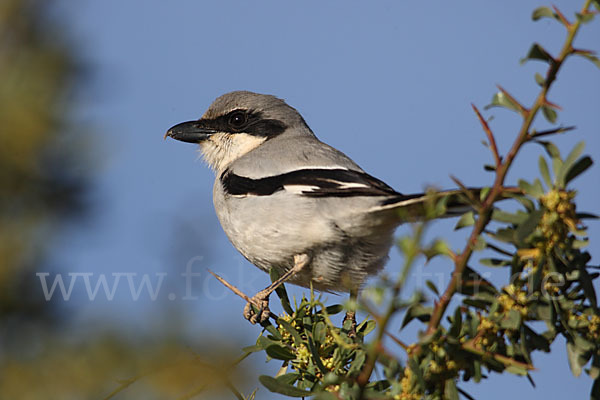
pixel 238 119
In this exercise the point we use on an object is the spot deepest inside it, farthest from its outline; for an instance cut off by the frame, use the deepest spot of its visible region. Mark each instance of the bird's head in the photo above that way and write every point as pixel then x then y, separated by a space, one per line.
pixel 236 123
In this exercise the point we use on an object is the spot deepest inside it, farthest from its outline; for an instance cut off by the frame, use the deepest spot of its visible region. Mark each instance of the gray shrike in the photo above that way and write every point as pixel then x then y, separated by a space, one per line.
pixel 288 201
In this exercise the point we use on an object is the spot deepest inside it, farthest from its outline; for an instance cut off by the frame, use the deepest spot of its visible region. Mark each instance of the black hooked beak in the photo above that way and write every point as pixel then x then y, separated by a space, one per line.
pixel 190 132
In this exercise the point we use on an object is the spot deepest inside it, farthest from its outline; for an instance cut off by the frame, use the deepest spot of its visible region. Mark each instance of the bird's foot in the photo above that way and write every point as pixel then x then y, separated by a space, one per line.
pixel 261 302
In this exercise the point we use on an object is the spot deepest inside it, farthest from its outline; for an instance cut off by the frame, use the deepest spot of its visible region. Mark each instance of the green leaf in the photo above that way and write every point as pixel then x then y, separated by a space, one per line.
pixel 501 100
pixel 591 58
pixel 584 18
pixel 273 331
pixel 550 114
pixel 543 12
pixel 568 163
pixel 439 247
pixel 527 227
pixel 512 320
pixel 550 148
pixel 480 244
pixel 450 391
pixel 533 190
pixel 484 193
pixel 316 358
pixel 477 373
pixel 417 373
pixel 506 235
pixel 432 287
pixel 334 309
pixel 279 353
pixel 289 378
pixel 580 166
pixel 573 353
pixel 291 330
pixel 539 79
pixel 511 218
pixel 537 52
pixel 366 326
pixel 357 364
pixel 456 326
pixel 465 220
pixel 281 292
pixel 319 332
pixel 527 203
pixel 545 171
pixel 418 311
pixel 473 283
pixel 584 346
pixel 586 216
pixel 252 349
pixel 556 166
pixel 276 386
pixel 516 369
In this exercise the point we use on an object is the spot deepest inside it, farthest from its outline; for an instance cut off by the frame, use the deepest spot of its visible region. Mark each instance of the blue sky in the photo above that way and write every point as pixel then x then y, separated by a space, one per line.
pixel 389 83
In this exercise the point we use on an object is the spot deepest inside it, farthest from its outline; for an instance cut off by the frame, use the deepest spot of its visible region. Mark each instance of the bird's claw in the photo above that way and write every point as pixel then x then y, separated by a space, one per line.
pixel 261 302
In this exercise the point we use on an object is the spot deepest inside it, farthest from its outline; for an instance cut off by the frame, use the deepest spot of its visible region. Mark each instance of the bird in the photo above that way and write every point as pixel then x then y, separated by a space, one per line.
pixel 290 202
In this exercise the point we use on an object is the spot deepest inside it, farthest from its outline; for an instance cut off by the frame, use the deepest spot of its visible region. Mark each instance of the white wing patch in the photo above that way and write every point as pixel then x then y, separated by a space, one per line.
pixel 300 189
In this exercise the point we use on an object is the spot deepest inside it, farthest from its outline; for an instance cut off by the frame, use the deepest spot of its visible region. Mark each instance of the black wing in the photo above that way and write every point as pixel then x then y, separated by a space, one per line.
pixel 316 182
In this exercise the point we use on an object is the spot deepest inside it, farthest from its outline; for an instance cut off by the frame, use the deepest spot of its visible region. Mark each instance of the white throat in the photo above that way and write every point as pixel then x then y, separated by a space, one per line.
pixel 221 149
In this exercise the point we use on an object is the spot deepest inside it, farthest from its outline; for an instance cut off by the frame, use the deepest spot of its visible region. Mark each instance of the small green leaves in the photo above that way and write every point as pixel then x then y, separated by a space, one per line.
pixel 432 287
pixel 545 171
pixel 550 147
pixel 511 218
pixel 278 386
pixel 568 164
pixel 539 79
pixel 589 56
pixel 500 99
pixel 584 18
pixel 334 309
pixel 550 114
pixel 418 311
pixel 279 352
pixel 580 166
pixel 467 219
pixel 543 12
pixel 450 390
pixel 537 52
pixel 527 227
pixel 512 320
pixel 534 190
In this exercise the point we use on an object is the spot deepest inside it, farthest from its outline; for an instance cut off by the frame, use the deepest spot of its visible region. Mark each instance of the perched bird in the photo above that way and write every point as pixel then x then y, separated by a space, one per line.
pixel 288 201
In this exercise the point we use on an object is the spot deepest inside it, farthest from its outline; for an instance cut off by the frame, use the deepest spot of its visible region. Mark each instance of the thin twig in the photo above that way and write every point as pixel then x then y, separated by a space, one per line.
pixel 560 129
pixel 397 341
pixel 490 136
pixel 562 17
pixel 241 294
pixel 475 201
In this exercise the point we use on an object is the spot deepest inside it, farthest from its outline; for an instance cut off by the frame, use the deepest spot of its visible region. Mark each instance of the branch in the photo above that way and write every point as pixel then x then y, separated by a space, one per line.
pixel 490 136
pixel 485 211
